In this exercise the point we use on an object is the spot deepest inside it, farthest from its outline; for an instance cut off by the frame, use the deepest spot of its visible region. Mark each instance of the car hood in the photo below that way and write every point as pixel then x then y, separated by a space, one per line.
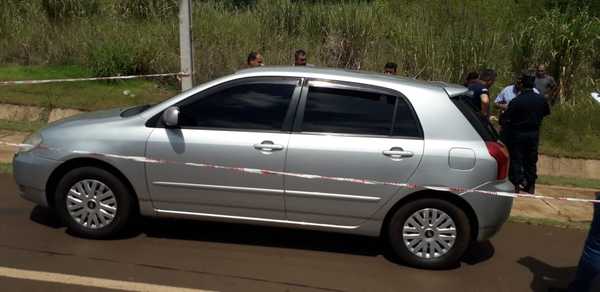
pixel 89 118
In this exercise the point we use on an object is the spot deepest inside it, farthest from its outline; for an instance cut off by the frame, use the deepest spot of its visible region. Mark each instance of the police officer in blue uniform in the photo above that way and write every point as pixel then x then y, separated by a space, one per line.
pixel 521 126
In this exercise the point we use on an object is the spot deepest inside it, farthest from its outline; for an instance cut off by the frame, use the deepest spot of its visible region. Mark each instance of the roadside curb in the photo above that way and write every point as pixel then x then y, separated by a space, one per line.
pixel 587 191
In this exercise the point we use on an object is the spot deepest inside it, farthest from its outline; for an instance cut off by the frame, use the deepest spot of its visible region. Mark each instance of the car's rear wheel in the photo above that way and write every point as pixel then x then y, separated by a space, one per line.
pixel 429 233
pixel 93 202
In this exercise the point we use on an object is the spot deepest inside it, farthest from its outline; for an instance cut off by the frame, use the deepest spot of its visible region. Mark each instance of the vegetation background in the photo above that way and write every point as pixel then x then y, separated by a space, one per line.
pixel 429 39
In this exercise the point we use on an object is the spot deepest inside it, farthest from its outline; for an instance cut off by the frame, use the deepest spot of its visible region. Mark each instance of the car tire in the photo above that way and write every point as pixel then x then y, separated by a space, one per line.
pixel 93 203
pixel 420 235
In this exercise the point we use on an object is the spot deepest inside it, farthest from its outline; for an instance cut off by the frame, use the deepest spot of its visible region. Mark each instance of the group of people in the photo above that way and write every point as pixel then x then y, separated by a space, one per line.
pixel 522 107
pixel 255 59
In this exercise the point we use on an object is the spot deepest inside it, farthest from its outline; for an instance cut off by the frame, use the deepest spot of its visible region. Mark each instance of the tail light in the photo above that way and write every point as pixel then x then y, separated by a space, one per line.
pixel 500 153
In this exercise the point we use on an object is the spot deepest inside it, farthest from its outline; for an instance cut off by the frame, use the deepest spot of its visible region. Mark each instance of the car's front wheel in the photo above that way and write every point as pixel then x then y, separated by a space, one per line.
pixel 93 202
pixel 429 233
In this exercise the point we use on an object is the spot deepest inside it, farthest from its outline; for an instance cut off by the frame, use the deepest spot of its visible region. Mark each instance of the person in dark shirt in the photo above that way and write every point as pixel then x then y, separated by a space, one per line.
pixel 480 88
pixel 521 125
pixel 470 78
pixel 587 277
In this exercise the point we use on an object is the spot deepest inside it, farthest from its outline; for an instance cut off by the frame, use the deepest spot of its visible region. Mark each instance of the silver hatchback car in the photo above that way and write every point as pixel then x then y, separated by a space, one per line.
pixel 268 141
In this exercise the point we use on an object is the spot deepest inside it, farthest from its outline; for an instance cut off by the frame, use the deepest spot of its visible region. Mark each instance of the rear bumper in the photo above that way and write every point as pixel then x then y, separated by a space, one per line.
pixel 491 211
pixel 31 173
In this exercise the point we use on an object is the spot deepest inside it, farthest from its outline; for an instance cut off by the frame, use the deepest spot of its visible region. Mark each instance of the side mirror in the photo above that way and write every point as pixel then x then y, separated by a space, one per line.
pixel 171 116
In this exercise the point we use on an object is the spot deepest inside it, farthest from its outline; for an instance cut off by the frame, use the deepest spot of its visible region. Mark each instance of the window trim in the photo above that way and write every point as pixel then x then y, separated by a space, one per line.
pixel 286 127
pixel 333 84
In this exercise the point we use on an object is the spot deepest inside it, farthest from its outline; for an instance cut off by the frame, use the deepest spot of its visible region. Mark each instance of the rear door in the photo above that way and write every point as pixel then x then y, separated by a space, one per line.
pixel 353 131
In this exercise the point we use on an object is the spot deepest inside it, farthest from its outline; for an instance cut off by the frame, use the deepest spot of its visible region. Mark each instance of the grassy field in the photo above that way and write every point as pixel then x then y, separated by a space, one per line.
pixel 440 40
pixel 572 131
pixel 89 95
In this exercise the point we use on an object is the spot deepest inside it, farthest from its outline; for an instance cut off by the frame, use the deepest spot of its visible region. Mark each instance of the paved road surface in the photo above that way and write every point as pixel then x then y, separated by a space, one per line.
pixel 37 254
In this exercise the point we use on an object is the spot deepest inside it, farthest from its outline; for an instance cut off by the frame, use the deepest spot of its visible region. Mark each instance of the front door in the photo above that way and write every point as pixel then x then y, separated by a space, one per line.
pixel 239 124
pixel 351 132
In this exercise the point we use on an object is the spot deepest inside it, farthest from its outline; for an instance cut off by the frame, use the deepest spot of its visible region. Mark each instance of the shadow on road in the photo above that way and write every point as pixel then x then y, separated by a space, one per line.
pixel 45 217
pixel 547 277
pixel 261 236
pixel 287 238
pixel 479 252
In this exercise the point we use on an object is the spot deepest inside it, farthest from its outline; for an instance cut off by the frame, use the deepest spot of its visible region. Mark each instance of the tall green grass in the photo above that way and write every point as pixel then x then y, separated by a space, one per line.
pixel 430 39
pixel 572 131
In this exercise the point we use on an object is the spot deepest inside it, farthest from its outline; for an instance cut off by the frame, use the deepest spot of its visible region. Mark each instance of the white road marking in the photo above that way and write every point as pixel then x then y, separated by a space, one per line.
pixel 88 281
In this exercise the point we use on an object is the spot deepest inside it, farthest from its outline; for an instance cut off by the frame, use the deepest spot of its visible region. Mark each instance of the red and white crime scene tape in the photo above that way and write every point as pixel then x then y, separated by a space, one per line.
pixel 18 82
pixel 315 176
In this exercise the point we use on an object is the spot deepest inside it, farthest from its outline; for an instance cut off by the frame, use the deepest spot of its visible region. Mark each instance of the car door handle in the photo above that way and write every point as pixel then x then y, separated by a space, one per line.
pixel 268 146
pixel 397 152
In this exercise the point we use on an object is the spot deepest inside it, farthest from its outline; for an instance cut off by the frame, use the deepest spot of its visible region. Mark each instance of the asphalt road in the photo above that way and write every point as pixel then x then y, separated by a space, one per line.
pixel 37 254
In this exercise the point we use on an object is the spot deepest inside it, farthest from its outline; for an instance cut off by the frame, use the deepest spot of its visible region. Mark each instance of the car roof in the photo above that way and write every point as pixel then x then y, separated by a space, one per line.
pixel 366 77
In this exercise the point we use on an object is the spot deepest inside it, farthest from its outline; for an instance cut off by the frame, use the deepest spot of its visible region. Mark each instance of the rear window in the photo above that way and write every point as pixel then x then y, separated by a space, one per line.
pixel 349 111
pixel 481 125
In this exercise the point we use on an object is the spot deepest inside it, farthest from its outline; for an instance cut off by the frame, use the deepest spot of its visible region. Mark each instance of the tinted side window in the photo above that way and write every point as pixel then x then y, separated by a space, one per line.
pixel 406 124
pixel 260 106
pixel 483 127
pixel 348 111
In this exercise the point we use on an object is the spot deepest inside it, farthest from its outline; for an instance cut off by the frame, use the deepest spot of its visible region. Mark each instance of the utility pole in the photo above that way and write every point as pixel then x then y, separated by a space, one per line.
pixel 186 49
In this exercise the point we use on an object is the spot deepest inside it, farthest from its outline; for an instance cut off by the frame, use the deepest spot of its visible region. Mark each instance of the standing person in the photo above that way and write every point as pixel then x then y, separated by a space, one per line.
pixel 480 88
pixel 470 78
pixel 521 125
pixel 390 68
pixel 588 270
pixel 300 58
pixel 546 85
pixel 504 98
pixel 254 59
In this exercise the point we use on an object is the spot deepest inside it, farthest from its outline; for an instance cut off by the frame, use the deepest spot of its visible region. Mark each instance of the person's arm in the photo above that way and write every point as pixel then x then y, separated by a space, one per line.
pixel 485 103
pixel 500 100
pixel 546 109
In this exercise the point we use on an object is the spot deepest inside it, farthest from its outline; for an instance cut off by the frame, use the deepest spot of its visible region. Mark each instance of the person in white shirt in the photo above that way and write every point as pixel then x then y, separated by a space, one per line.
pixel 509 93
